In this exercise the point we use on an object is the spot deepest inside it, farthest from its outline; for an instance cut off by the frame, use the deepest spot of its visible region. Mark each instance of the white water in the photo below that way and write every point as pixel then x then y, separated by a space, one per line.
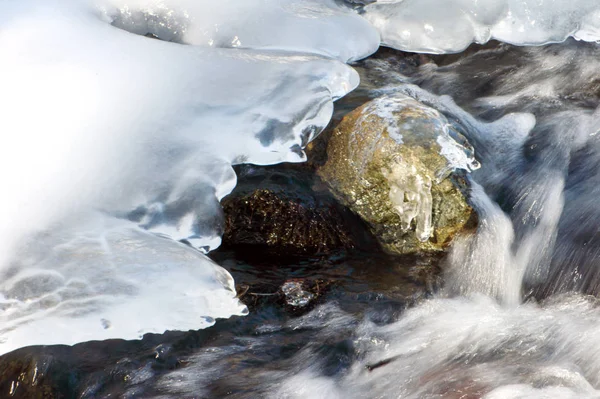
pixel 110 137
pixel 466 347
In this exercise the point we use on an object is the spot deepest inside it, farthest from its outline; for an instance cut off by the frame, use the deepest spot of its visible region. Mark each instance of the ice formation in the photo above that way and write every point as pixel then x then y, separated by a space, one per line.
pixel 410 195
pixel 103 278
pixel 311 26
pixel 436 26
pixel 99 123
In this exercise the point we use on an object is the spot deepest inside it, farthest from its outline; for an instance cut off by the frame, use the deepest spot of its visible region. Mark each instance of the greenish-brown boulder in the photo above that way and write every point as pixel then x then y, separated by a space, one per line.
pixel 401 167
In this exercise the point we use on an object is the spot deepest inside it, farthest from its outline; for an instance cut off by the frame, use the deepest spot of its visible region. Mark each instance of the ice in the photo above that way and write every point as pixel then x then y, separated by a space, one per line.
pixel 117 148
pixel 101 123
pixel 295 295
pixel 100 278
pixel 410 196
pixel 440 26
pixel 312 26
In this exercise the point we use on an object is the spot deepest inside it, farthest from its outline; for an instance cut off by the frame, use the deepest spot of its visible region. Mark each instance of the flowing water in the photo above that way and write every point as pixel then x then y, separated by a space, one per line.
pixel 517 316
pixel 101 245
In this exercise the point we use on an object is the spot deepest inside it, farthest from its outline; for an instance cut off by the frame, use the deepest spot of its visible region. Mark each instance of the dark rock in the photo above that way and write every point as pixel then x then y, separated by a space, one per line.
pixel 287 211
pixel 26 377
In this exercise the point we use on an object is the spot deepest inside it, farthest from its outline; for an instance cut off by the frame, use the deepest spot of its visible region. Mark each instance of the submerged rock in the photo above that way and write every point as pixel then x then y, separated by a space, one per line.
pixel 401 167
pixel 294 296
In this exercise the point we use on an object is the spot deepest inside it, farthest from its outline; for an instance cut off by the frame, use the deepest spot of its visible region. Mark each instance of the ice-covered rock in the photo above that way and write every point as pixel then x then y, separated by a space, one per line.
pixel 392 161
pixel 295 295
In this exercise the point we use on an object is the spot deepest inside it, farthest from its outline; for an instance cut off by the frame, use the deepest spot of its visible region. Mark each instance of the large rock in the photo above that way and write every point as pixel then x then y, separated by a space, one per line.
pixel 401 167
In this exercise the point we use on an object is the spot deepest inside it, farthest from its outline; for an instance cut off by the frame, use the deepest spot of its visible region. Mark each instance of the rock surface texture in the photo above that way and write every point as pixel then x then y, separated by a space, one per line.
pixel 403 169
pixel 277 211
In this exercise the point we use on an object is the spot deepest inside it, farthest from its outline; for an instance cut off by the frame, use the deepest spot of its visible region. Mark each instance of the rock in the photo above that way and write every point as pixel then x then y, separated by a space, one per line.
pixel 280 211
pixel 294 296
pixel 26 376
pixel 401 167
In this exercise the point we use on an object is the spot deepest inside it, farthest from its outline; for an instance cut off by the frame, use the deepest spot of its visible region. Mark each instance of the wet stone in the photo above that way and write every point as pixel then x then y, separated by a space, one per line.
pixel 286 211
pixel 397 164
